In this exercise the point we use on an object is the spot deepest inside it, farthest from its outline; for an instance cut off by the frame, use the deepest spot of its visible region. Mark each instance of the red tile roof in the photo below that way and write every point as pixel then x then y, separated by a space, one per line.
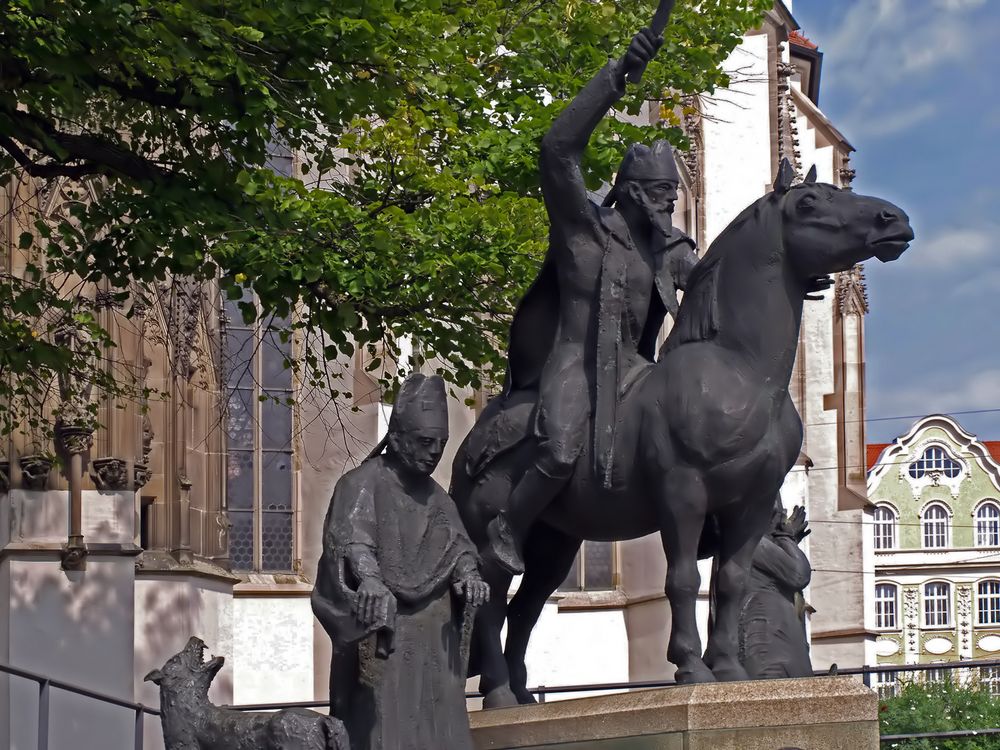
pixel 993 446
pixel 796 38
pixel 874 451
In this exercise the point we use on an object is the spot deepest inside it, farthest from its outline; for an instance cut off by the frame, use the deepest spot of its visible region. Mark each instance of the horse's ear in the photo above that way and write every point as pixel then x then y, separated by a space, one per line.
pixel 155 676
pixel 811 175
pixel 785 176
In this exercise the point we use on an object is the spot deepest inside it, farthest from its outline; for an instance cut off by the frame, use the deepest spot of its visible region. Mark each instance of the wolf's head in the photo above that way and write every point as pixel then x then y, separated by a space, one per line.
pixel 187 671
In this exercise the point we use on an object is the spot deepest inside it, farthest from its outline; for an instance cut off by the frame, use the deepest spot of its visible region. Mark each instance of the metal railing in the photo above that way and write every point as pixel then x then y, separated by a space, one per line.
pixel 140 711
pixel 45 686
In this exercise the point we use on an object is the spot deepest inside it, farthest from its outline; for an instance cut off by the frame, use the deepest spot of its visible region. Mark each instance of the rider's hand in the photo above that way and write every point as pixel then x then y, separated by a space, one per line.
pixel 372 605
pixel 475 590
pixel 642 49
pixel 818 284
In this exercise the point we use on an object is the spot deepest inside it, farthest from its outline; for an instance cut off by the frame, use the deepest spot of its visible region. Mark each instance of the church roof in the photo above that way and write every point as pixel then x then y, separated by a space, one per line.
pixel 796 38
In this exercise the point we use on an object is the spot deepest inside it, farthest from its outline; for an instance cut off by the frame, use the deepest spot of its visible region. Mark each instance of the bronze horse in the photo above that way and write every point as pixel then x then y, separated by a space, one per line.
pixel 704 439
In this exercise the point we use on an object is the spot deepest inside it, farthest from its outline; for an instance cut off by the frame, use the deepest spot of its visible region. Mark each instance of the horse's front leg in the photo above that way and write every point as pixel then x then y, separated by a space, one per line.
pixel 682 509
pixel 494 679
pixel 740 532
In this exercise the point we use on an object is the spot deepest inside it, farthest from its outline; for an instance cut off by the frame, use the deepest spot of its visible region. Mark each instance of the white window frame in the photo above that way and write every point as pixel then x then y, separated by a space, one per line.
pixel 886 607
pixel 885 519
pixel 887 684
pixel 940 614
pixel 935 458
pixel 989 677
pixel 988 524
pixel 991 599
pixel 936 528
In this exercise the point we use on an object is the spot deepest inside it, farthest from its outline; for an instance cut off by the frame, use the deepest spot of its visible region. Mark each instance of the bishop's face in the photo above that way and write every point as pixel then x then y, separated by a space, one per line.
pixel 419 449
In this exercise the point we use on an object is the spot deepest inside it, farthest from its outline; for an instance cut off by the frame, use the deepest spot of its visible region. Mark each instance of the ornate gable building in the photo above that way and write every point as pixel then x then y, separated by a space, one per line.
pixel 936 536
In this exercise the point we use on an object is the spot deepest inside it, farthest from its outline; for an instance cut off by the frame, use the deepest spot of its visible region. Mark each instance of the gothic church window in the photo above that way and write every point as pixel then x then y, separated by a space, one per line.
pixel 935 459
pixel 259 476
pixel 935 526
pixel 937 604
pixel 885 606
pixel 593 569
pixel 885 527
pixel 988 525
pixel 988 602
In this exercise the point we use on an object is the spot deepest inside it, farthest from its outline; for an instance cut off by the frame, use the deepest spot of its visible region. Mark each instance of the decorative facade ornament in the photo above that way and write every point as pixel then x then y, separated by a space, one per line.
pixel 691 124
pixel 4 475
pixel 911 618
pixel 141 476
pixel 74 413
pixel 963 608
pixel 35 470
pixel 933 478
pixel 847 173
pixel 182 299
pixel 787 121
pixel 852 292
pixel 110 474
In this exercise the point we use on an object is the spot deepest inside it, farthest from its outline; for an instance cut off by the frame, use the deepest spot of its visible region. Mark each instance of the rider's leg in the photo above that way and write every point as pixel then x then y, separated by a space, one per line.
pixel 560 428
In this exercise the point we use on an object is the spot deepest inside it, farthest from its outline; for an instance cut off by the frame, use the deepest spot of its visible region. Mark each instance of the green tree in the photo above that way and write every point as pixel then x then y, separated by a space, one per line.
pixel 941 707
pixel 416 210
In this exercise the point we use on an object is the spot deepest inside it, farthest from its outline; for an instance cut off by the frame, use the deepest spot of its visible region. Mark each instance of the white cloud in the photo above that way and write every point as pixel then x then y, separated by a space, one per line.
pixel 894 121
pixel 987 283
pixel 959 4
pixel 954 248
pixel 979 390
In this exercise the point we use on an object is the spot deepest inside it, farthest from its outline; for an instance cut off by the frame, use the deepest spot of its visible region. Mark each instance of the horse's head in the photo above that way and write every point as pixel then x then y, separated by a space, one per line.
pixel 827 229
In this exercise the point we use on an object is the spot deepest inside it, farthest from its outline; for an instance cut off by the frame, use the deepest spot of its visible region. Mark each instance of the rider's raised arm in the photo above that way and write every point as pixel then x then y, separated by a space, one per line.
pixel 562 147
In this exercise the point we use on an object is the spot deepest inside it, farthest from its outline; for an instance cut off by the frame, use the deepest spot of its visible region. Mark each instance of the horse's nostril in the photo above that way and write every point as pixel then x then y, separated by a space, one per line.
pixel 886 216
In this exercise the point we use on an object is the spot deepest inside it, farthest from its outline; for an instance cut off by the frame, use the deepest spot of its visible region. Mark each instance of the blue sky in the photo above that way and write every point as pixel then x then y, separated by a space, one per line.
pixel 914 85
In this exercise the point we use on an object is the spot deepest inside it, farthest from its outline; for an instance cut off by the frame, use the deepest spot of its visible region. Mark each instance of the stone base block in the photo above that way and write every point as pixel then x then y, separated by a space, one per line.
pixel 819 713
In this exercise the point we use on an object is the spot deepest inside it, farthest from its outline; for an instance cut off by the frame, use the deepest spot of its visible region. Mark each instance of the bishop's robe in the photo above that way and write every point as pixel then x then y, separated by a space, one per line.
pixel 415 698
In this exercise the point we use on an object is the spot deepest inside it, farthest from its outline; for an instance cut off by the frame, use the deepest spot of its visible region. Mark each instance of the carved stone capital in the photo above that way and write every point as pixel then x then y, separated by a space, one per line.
pixel 74 438
pixel 142 475
pixel 110 474
pixel 35 471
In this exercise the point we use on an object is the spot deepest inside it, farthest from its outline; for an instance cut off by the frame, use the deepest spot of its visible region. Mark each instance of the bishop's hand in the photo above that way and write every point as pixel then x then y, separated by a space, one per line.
pixel 474 589
pixel 371 607
pixel 643 48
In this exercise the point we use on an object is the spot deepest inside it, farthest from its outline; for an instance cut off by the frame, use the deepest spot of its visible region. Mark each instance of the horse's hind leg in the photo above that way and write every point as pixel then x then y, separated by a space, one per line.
pixel 682 508
pixel 548 556
pixel 494 680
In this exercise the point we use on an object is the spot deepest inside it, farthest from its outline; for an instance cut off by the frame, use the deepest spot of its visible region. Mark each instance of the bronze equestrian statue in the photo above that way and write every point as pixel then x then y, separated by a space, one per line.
pixel 593 439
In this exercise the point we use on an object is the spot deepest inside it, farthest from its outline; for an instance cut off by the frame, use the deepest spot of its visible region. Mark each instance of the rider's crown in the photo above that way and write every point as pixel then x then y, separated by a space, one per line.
pixel 643 162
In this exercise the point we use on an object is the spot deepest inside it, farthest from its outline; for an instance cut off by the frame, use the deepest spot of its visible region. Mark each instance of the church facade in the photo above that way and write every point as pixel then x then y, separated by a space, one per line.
pixel 202 509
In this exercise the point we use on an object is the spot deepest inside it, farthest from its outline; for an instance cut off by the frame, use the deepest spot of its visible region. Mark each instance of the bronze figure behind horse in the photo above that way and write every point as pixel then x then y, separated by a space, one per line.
pixel 704 439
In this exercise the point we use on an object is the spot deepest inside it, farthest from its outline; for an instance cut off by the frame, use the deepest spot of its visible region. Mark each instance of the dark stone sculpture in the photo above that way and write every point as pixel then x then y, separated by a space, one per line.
pixel 772 627
pixel 398 586
pixel 593 439
pixel 191 722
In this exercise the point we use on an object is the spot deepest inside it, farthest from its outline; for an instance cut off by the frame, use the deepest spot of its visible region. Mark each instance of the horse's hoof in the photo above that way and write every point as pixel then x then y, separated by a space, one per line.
pixel 693 675
pixel 524 697
pixel 500 697
pixel 732 674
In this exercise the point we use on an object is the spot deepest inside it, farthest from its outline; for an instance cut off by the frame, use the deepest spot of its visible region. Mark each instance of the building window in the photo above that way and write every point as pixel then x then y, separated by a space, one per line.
pixel 937 604
pixel 937 676
pixel 593 569
pixel 885 527
pixel 935 460
pixel 989 679
pixel 988 602
pixel 259 477
pixel 935 526
pixel 885 605
pixel 988 525
pixel 886 684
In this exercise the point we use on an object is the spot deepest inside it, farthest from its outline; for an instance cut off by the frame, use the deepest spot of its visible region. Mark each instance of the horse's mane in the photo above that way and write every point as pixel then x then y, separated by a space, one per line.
pixel 698 318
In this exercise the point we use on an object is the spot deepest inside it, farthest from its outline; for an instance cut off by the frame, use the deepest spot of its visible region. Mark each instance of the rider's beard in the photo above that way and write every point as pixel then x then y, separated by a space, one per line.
pixel 660 217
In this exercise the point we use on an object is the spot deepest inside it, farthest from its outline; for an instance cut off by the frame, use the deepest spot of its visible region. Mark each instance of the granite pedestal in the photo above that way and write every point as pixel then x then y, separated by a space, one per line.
pixel 819 713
